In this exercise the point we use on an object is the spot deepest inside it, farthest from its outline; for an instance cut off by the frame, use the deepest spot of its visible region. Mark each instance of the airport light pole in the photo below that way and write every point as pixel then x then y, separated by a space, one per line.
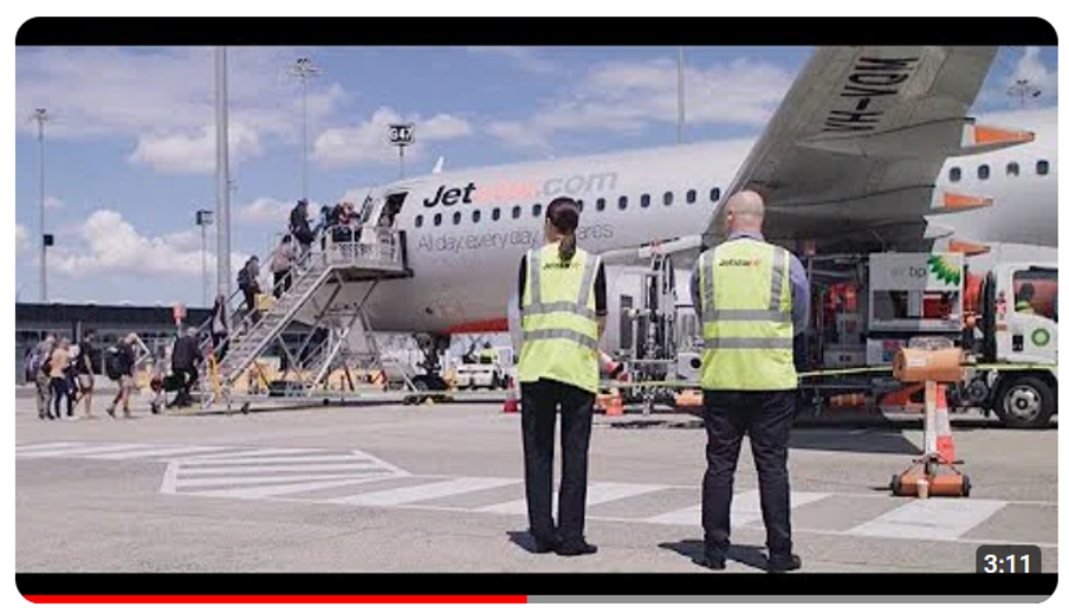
pixel 401 136
pixel 222 176
pixel 41 116
pixel 303 69
pixel 680 93
pixel 1023 90
pixel 204 219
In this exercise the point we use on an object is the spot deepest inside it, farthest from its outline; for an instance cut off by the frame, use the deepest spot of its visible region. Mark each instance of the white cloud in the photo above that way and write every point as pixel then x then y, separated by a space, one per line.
pixel 164 98
pixel 526 58
pixel 626 97
pixel 107 244
pixel 22 237
pixel 266 210
pixel 194 154
pixel 51 202
pixel 1030 67
pixel 367 142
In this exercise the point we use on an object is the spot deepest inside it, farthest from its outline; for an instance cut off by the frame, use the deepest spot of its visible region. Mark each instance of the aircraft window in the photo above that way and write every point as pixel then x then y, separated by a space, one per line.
pixel 476 215
pixel 437 219
pixel 1042 167
pixel 692 196
pixel 623 202
pixel 1013 169
pixel 955 174
pixel 983 172
pixel 645 200
pixel 536 210
pixel 456 218
pixel 601 204
pixel 419 221
pixel 668 196
pixel 714 195
pixel 579 203
pixel 516 212
pixel 496 214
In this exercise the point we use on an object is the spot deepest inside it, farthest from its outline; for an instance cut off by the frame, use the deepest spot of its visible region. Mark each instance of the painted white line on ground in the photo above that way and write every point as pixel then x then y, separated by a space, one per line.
pixel 745 508
pixel 309 468
pixel 85 451
pixel 596 493
pixel 252 453
pixel 152 453
pixel 43 446
pixel 428 491
pixel 224 481
pixel 291 488
pixel 192 462
pixel 933 519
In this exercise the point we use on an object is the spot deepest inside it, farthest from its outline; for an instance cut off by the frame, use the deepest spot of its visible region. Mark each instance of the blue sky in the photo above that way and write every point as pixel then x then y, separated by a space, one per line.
pixel 130 152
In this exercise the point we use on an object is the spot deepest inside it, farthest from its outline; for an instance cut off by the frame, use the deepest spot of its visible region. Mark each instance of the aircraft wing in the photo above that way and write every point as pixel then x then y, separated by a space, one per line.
pixel 851 157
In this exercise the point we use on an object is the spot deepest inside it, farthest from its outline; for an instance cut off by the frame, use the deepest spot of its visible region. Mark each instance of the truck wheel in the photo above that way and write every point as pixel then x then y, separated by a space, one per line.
pixel 1025 402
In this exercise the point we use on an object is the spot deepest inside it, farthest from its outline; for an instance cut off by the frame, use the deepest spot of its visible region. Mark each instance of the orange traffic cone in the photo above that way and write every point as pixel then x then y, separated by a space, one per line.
pixel 512 403
pixel 944 440
pixel 612 367
pixel 615 404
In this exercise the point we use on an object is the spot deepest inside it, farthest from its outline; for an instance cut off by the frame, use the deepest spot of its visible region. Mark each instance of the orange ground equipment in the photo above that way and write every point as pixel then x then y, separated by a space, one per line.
pixel 512 401
pixel 612 403
pixel 934 473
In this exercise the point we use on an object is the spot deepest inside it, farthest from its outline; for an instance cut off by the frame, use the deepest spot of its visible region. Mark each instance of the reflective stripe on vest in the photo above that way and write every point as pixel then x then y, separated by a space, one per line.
pixel 746 317
pixel 559 323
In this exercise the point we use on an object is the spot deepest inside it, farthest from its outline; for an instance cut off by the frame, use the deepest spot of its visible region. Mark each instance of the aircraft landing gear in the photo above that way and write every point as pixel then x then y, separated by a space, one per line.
pixel 432 346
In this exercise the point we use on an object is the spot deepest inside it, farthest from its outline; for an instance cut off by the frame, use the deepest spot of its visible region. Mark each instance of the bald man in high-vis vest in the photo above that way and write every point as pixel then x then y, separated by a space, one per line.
pixel 753 299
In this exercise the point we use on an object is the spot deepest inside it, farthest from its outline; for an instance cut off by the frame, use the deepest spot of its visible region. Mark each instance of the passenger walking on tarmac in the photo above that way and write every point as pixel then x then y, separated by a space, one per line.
pixel 220 329
pixel 39 366
pixel 84 370
pixel 185 358
pixel 57 372
pixel 249 284
pixel 563 309
pixel 300 228
pixel 753 298
pixel 281 265
pixel 123 367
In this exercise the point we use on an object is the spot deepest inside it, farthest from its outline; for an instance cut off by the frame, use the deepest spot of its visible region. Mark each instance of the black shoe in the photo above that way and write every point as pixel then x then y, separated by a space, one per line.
pixel 51 417
pixel 543 545
pixel 111 412
pixel 576 548
pixel 712 561
pixel 782 564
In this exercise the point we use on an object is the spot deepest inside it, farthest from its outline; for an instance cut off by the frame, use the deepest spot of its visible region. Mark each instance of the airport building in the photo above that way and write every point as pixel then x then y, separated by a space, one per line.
pixel 154 324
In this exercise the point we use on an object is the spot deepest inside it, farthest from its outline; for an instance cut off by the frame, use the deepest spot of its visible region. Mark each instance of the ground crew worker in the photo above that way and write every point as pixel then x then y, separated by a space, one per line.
pixel 1025 293
pixel 487 355
pixel 563 308
pixel 753 299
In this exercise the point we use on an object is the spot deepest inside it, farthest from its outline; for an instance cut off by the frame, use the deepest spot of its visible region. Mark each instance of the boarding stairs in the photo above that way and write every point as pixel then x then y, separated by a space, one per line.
pixel 376 255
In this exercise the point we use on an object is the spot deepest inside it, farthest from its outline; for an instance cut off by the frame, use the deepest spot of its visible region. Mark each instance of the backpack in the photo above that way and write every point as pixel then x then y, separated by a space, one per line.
pixel 113 362
pixel 243 278
pixel 45 364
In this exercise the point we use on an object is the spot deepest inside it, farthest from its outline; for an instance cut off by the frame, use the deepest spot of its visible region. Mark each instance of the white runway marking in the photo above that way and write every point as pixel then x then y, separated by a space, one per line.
pixel 247 461
pixel 152 453
pixel 428 491
pixel 82 450
pixel 943 519
pixel 745 509
pixel 266 491
pixel 596 493
pixel 245 470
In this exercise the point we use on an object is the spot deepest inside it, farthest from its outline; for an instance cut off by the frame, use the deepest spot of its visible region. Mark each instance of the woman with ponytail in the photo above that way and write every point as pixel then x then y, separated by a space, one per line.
pixel 563 308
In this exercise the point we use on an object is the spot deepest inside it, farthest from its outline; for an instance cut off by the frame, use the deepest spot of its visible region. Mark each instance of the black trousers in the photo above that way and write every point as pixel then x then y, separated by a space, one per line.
pixel 60 391
pixel 250 303
pixel 219 345
pixel 283 282
pixel 766 418
pixel 539 416
pixel 189 379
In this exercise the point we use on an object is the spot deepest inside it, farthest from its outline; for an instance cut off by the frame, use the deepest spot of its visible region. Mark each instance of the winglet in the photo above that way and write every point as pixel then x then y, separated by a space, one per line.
pixel 438 166
pixel 967 248
pixel 950 202
pixel 979 138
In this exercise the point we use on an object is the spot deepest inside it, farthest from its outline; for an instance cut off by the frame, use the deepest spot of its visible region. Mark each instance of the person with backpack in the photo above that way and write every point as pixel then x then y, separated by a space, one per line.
pixel 119 364
pixel 281 265
pixel 300 228
pixel 39 366
pixel 249 284
pixel 219 327
pixel 185 358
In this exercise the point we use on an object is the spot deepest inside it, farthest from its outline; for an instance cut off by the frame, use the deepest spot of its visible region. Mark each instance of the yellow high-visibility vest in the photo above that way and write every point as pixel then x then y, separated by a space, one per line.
pixel 745 292
pixel 560 329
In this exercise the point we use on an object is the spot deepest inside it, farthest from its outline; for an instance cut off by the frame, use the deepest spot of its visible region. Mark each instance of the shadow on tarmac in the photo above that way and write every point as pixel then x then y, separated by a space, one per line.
pixel 747 555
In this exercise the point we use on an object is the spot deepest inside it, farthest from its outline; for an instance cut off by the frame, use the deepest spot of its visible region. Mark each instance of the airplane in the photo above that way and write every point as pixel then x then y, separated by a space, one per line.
pixel 872 149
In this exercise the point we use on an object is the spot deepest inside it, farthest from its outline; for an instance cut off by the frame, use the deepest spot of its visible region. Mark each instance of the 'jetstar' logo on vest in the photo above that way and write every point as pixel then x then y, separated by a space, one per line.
pixel 740 262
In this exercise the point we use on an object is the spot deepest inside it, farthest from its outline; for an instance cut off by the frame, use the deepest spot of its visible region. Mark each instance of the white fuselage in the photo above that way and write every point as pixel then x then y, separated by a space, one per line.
pixel 465 262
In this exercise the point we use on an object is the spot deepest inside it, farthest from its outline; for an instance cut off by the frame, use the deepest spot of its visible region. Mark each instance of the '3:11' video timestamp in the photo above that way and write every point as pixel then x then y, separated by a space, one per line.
pixel 1008 559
